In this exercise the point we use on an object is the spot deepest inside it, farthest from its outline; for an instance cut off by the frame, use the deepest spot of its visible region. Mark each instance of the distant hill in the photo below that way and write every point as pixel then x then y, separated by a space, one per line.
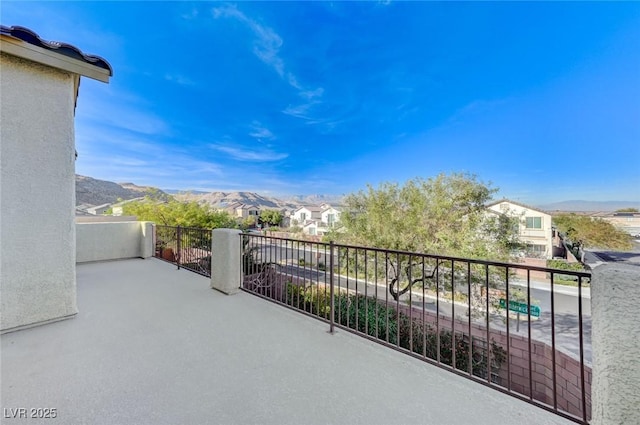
pixel 182 192
pixel 249 198
pixel 589 205
pixel 92 191
pixel 314 199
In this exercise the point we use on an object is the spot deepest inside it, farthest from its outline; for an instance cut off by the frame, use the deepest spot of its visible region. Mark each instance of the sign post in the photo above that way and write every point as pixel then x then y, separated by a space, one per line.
pixel 520 308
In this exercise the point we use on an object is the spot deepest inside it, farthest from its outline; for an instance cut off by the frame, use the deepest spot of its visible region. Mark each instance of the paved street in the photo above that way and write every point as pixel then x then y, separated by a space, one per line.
pixel 597 257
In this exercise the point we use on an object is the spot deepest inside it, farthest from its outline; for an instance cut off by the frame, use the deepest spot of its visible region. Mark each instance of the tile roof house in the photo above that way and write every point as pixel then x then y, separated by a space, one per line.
pixel 534 228
pixel 39 82
pixel 239 210
pixel 301 215
pixel 330 216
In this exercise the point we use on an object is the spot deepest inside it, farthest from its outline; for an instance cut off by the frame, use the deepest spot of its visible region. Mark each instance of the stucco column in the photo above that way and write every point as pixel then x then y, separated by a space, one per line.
pixel 615 314
pixel 226 267
pixel 146 239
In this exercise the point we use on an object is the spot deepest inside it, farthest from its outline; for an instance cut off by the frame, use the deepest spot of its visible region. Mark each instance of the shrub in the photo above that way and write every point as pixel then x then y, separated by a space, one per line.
pixel 564 265
pixel 313 299
pixel 422 339
pixel 372 317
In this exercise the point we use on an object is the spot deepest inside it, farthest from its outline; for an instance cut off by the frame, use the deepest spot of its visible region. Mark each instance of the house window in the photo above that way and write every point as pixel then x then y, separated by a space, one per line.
pixel 312 231
pixel 536 251
pixel 303 217
pixel 534 223
pixel 331 218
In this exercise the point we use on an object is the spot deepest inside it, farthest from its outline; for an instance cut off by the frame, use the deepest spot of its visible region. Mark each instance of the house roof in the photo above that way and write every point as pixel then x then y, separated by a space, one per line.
pixel 25 43
pixel 236 205
pixel 97 207
pixel 529 207
pixel 312 208
pixel 330 208
pixel 25 34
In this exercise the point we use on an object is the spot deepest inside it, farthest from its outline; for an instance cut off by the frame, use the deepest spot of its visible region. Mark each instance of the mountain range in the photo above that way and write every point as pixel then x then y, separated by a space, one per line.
pixel 92 191
pixel 248 198
pixel 585 206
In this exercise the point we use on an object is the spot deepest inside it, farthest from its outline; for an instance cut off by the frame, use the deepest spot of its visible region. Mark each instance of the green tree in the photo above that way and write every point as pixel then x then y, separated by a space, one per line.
pixel 443 215
pixel 176 213
pixel 247 223
pixel 271 217
pixel 631 210
pixel 588 232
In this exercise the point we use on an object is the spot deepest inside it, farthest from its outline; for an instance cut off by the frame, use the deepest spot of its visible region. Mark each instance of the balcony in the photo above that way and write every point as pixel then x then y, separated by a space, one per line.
pixel 155 345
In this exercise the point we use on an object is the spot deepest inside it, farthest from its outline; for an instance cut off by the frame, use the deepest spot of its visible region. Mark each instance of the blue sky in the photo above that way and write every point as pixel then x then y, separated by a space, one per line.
pixel 540 99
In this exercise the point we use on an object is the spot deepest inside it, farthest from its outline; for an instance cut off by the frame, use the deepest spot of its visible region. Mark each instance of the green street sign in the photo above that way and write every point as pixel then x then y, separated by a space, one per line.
pixel 520 307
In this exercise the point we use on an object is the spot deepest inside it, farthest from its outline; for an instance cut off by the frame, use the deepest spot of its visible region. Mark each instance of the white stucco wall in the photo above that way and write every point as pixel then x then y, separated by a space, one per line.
pixel 325 215
pixel 615 297
pixel 37 194
pixel 113 241
pixel 226 261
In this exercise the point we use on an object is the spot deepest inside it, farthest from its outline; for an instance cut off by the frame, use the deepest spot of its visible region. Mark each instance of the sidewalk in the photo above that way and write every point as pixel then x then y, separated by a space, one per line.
pixel 557 289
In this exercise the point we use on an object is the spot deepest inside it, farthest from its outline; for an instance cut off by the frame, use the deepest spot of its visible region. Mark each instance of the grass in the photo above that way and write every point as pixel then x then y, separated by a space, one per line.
pixel 574 283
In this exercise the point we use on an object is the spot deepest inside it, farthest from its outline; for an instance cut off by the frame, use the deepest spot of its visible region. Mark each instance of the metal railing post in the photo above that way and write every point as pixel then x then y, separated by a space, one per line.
pixel 332 303
pixel 178 237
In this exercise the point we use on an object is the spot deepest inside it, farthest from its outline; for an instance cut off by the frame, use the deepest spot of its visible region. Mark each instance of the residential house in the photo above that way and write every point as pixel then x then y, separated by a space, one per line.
pixel 534 227
pixel 314 228
pixel 625 221
pixel 99 209
pixel 117 210
pixel 316 220
pixel 82 209
pixel 330 216
pixel 240 211
pixel 303 214
pixel 39 83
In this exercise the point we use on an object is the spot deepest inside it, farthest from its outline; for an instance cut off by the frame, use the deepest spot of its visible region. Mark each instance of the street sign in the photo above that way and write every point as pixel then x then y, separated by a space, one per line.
pixel 520 307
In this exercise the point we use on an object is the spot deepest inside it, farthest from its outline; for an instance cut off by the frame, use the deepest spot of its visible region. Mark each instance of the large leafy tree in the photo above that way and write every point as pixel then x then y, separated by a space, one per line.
pixel 176 213
pixel 443 215
pixel 271 217
pixel 591 232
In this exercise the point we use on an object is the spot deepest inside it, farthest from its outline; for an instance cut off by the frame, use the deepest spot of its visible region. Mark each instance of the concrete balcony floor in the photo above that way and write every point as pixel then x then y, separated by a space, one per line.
pixel 153 345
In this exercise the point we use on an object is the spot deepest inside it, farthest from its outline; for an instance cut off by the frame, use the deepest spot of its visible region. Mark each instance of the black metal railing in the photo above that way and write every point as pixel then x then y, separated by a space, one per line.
pixel 512 327
pixel 186 247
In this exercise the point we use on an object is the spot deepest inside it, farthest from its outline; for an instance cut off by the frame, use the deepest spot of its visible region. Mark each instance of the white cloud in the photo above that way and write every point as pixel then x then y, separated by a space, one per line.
pixel 476 108
pixel 299 111
pixel 192 14
pixel 179 79
pixel 267 44
pixel 260 132
pixel 107 106
pixel 267 48
pixel 250 154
